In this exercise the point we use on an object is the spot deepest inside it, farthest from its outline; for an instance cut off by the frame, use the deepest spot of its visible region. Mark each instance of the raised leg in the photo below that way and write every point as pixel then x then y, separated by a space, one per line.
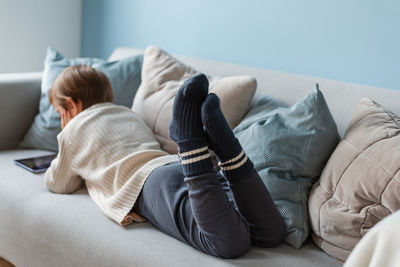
pixel 186 200
pixel 194 210
pixel 253 200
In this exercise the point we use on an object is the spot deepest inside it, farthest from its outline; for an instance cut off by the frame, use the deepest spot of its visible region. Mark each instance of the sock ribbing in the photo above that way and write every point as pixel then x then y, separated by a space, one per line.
pixel 237 167
pixel 195 157
pixel 186 114
pixel 232 158
pixel 186 127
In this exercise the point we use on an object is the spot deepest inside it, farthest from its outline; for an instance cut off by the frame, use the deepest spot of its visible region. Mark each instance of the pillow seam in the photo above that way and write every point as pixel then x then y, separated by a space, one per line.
pixel 331 195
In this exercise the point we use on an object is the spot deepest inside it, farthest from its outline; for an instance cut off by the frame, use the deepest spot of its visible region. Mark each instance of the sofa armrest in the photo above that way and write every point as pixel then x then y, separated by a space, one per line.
pixel 19 103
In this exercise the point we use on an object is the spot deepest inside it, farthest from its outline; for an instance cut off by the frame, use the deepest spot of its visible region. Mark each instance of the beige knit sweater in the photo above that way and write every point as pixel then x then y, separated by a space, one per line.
pixel 113 151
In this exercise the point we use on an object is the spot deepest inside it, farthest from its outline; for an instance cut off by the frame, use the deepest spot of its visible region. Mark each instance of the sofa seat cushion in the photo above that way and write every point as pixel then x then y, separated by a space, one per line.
pixel 360 184
pixel 39 228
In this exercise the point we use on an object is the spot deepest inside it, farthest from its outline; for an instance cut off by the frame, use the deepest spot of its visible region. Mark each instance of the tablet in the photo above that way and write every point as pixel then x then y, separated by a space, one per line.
pixel 37 164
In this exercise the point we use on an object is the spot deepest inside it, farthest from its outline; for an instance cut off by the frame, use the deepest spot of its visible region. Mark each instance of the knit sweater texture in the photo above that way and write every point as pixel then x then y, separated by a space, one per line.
pixel 111 150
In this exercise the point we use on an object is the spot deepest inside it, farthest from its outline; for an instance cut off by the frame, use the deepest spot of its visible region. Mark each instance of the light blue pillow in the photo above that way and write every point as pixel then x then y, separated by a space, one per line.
pixel 125 78
pixel 289 147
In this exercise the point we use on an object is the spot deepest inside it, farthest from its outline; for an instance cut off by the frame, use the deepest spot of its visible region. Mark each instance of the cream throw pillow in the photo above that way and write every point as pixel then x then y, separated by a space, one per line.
pixel 163 75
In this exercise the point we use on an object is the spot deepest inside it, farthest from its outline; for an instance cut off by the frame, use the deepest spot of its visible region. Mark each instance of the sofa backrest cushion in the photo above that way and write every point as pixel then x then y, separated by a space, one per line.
pixel 163 75
pixel 289 147
pixel 341 97
pixel 125 78
pixel 360 184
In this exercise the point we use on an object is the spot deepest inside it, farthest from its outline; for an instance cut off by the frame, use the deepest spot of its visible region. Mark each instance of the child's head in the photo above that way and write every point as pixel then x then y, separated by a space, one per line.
pixel 81 84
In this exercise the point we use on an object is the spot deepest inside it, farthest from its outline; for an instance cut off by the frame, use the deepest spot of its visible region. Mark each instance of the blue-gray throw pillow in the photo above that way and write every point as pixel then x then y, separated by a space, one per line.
pixel 289 147
pixel 125 78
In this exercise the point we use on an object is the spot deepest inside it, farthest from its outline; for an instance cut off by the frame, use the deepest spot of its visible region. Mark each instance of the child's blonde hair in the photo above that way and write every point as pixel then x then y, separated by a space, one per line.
pixel 81 83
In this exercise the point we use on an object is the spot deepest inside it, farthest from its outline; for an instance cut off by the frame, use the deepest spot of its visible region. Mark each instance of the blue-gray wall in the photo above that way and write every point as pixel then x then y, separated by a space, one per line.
pixel 350 40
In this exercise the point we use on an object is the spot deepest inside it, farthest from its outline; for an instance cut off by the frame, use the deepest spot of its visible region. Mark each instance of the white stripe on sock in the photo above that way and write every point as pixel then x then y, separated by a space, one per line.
pixel 196 159
pixel 192 152
pixel 232 160
pixel 237 165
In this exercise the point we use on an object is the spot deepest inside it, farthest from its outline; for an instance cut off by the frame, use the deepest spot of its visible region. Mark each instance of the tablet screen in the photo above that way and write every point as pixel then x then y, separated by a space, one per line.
pixel 37 164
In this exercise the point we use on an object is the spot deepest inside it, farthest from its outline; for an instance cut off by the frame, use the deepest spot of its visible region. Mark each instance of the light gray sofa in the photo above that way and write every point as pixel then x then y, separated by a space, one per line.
pixel 38 228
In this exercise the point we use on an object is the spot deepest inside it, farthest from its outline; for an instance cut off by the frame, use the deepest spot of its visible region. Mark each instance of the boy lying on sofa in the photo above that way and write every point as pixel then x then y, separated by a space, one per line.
pixel 130 178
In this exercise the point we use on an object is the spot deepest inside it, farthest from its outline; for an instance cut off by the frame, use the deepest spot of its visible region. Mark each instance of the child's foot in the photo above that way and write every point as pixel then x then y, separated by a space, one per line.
pixel 186 128
pixel 232 159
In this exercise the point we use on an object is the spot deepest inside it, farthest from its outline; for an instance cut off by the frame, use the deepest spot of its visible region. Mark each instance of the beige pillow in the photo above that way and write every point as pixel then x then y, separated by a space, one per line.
pixel 360 184
pixel 163 75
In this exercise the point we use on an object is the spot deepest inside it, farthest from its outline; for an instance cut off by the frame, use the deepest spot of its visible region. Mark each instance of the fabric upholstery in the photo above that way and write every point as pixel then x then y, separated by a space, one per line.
pixel 360 184
pixel 124 76
pixel 163 75
pixel 39 228
pixel 289 147
pixel 19 101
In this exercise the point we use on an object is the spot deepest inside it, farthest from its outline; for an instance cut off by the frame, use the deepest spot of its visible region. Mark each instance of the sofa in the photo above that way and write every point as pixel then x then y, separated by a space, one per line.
pixel 38 228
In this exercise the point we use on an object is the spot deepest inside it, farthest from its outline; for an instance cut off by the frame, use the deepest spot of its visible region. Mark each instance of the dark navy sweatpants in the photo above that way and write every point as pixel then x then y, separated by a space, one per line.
pixel 197 211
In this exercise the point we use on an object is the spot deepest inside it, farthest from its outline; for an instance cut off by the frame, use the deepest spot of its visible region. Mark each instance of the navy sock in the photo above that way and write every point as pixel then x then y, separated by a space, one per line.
pixel 186 128
pixel 232 158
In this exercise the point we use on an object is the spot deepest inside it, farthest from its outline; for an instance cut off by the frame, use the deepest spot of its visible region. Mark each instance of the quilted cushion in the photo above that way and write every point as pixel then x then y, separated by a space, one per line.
pixel 163 75
pixel 360 184
pixel 289 147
